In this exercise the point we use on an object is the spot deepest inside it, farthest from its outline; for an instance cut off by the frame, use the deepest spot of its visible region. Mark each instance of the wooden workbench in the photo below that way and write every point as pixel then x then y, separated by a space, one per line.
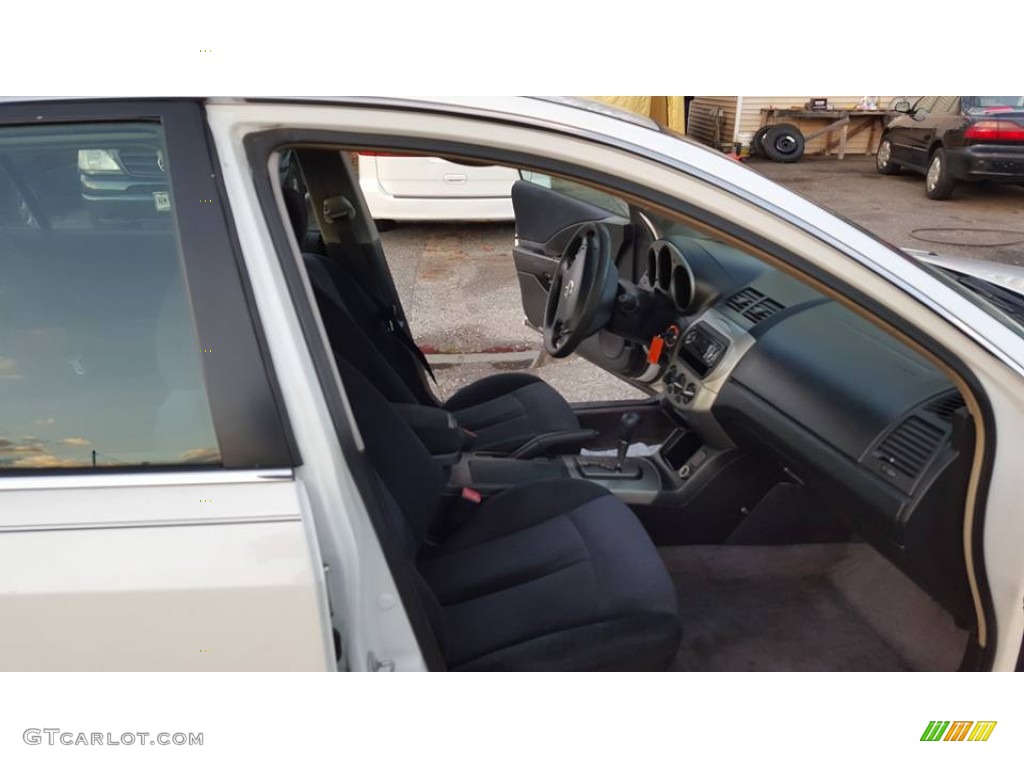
pixel 846 122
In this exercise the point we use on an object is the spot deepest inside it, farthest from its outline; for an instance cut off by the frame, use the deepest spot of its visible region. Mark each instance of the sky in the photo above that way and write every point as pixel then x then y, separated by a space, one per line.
pixel 323 47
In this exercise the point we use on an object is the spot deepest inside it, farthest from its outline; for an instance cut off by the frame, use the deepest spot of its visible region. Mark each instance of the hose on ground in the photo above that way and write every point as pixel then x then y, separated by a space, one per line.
pixel 914 233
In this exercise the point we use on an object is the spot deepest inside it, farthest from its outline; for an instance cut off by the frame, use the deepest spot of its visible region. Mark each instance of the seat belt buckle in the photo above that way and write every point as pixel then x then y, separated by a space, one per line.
pixel 338 208
pixel 472 495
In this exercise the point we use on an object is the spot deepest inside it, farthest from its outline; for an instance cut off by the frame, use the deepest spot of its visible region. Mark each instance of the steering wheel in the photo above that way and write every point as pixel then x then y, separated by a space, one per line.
pixel 582 293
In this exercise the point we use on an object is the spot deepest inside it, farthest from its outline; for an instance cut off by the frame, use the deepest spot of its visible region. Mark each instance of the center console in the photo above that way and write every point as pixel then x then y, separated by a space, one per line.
pixel 682 466
pixel 700 364
pixel 700 361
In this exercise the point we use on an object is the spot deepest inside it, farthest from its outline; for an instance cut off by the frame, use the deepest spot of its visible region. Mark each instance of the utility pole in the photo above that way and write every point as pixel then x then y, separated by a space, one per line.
pixel 94 459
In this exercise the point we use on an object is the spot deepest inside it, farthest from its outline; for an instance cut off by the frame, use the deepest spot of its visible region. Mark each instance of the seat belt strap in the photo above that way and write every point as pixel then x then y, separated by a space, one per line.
pixel 340 212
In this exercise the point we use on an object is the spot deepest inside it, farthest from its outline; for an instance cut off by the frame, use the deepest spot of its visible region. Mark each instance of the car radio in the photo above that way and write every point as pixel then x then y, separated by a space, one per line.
pixel 702 348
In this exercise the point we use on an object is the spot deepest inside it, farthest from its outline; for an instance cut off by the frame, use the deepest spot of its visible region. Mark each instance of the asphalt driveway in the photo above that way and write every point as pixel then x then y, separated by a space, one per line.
pixel 458 285
pixel 895 207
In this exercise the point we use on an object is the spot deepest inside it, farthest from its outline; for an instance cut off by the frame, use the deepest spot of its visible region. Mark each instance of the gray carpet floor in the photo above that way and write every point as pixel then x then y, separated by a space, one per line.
pixel 805 607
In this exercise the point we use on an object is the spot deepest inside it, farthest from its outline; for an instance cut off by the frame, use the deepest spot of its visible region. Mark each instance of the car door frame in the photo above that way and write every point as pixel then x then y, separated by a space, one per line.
pixel 124 512
pixel 881 284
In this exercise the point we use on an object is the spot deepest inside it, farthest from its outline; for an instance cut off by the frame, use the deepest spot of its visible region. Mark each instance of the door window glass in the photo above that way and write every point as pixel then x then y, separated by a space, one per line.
pixel 100 364
pixel 579 191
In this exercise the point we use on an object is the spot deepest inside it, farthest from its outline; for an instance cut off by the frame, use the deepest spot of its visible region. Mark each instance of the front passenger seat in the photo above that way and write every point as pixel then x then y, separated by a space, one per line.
pixel 553 575
pixel 501 412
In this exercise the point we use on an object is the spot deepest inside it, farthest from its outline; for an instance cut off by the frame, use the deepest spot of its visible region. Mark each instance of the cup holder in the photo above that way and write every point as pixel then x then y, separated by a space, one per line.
pixel 679 448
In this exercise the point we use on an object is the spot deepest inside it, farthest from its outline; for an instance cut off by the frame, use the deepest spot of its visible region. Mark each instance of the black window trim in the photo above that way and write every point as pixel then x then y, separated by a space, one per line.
pixel 249 418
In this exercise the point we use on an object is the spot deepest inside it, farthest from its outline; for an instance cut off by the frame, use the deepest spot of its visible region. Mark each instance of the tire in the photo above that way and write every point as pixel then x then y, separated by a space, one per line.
pixel 385 225
pixel 783 143
pixel 883 159
pixel 757 142
pixel 938 183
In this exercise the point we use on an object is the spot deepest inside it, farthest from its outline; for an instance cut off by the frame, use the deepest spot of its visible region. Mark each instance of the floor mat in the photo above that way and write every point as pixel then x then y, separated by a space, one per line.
pixel 805 607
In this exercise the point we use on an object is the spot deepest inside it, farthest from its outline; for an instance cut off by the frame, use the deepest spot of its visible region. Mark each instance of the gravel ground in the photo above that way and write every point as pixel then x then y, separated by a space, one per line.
pixel 458 284
pixel 892 207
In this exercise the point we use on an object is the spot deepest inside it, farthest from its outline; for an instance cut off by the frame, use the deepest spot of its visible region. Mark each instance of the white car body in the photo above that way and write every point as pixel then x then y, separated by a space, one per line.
pixel 409 188
pixel 140 570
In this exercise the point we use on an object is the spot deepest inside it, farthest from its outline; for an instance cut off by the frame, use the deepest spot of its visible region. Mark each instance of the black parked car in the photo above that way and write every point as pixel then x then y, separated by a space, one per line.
pixel 124 182
pixel 956 138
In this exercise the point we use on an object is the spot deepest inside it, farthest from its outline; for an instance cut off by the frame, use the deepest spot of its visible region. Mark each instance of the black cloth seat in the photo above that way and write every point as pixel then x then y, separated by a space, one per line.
pixel 556 575
pixel 506 410
pixel 503 411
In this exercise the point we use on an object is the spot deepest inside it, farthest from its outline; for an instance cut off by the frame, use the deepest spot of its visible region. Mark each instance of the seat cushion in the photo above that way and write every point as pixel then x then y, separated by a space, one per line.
pixel 506 410
pixel 556 575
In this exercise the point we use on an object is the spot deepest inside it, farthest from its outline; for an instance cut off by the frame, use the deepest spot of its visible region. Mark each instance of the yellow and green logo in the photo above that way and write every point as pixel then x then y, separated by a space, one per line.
pixel 958 730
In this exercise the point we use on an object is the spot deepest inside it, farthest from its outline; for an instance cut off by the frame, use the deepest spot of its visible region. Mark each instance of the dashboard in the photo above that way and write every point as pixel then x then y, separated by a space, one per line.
pixel 757 361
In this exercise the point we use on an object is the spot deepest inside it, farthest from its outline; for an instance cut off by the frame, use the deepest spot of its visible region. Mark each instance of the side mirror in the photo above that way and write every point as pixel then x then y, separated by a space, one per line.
pixel 901 106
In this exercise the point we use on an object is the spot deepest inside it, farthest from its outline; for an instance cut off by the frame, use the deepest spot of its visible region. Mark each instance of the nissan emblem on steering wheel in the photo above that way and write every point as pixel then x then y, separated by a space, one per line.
pixel 582 293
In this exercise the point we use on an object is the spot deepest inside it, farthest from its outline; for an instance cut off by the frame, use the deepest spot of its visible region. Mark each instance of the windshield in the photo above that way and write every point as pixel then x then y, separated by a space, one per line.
pixel 975 104
pixel 1005 305
pixel 1011 304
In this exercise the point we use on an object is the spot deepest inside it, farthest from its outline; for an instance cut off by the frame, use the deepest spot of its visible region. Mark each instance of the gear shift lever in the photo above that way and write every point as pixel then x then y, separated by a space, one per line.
pixel 627 426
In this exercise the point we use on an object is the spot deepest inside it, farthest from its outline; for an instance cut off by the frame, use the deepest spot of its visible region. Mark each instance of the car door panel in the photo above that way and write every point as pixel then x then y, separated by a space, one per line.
pixel 899 132
pixel 152 519
pixel 934 117
pixel 208 573
pixel 546 220
pixel 920 131
pixel 428 177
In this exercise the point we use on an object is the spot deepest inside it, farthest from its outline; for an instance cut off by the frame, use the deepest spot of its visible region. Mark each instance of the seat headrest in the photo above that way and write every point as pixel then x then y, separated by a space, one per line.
pixel 298 214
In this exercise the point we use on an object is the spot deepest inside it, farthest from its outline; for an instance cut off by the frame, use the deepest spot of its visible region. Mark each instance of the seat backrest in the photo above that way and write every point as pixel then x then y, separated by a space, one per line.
pixel 348 339
pixel 383 357
pixel 408 483
pixel 406 471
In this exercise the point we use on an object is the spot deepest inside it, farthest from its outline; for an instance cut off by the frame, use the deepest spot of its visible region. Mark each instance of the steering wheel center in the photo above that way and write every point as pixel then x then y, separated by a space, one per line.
pixel 582 292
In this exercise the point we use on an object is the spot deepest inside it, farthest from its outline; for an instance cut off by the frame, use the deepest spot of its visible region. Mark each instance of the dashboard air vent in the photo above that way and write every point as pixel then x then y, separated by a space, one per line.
pixel 945 406
pixel 909 447
pixel 743 299
pixel 762 310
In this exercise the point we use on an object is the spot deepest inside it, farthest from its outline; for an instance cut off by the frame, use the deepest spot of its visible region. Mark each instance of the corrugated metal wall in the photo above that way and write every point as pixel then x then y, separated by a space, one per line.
pixel 701 120
pixel 751 118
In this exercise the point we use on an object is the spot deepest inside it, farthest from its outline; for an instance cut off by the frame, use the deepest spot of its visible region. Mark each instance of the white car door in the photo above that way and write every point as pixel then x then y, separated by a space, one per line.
pixel 150 517
pixel 429 177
